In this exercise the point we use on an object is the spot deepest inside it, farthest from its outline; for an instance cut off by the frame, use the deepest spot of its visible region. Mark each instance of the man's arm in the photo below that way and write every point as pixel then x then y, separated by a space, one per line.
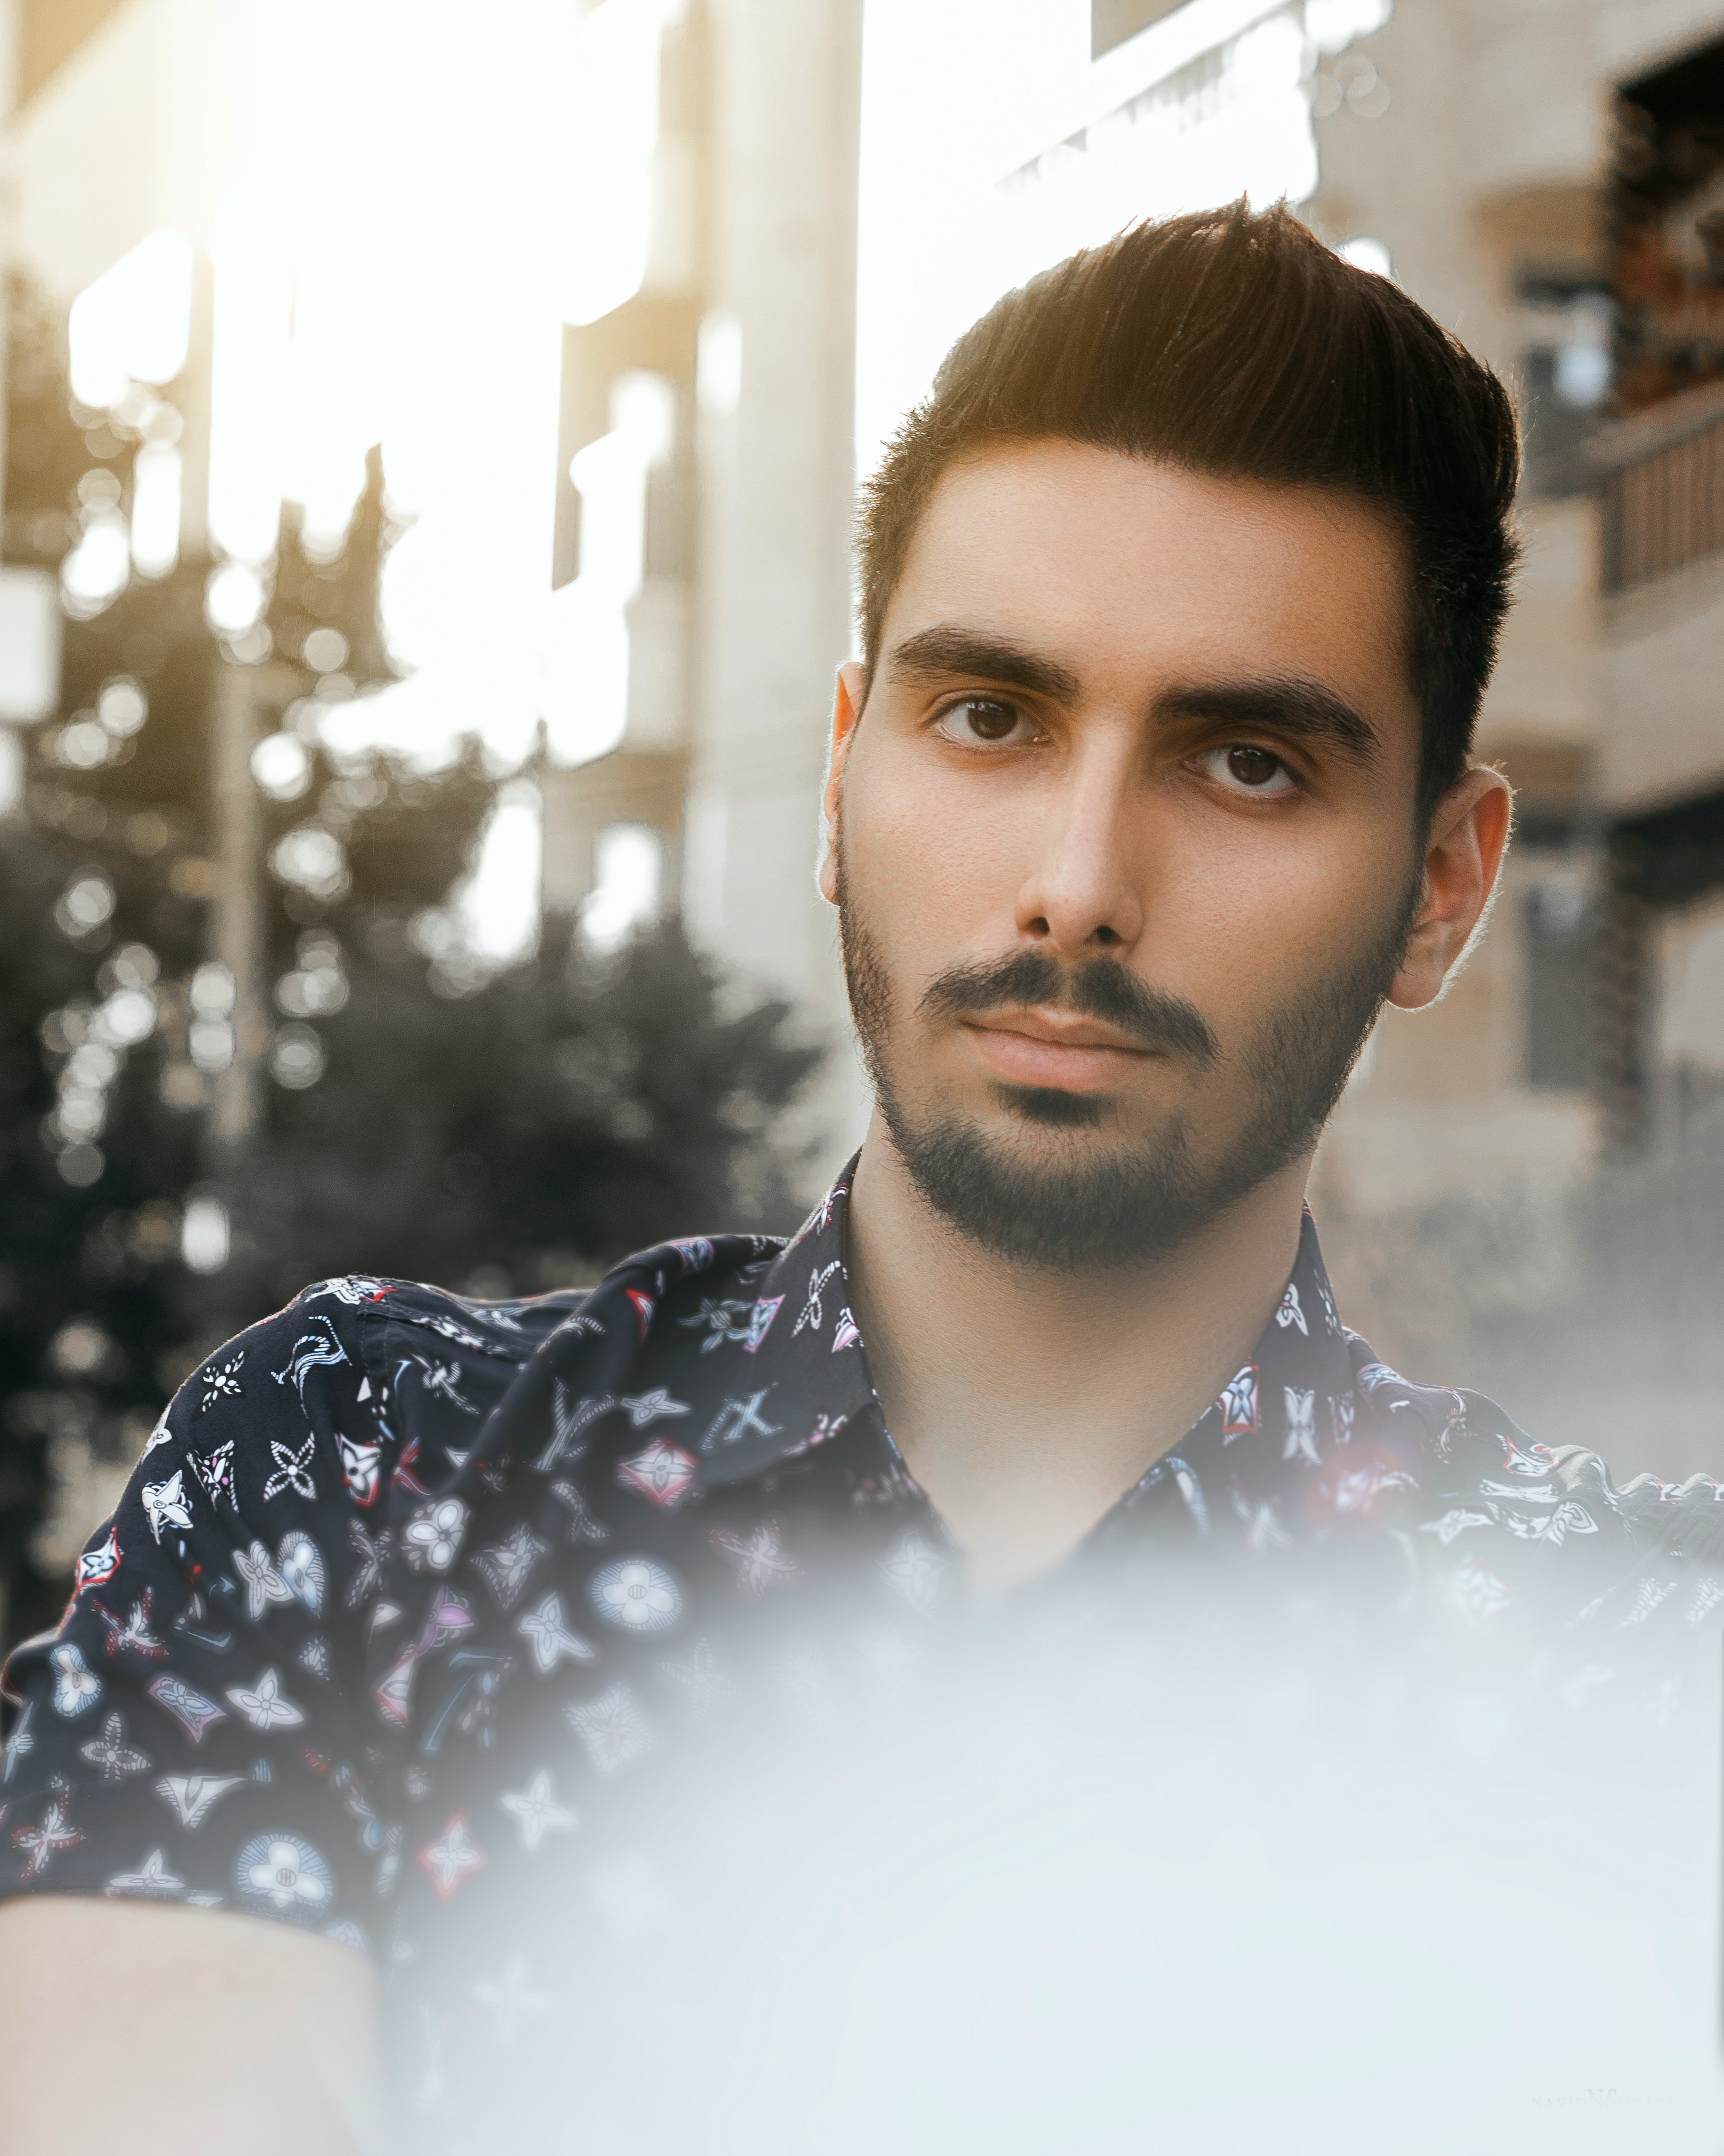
pixel 181 2028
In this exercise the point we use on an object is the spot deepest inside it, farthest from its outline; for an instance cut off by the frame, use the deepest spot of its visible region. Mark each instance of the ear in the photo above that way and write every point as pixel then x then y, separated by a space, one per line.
pixel 1463 855
pixel 846 709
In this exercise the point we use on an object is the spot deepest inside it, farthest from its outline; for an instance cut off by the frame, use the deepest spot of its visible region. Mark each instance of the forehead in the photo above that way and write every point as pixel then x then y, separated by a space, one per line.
pixel 1115 563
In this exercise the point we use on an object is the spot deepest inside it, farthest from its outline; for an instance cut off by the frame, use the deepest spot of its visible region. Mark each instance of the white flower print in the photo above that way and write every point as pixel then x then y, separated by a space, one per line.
pixel 452 1858
pixel 536 1811
pixel 293 1469
pixel 636 1595
pixel 432 1539
pixel 661 1472
pixel 549 1638
pixel 264 1584
pixel 112 1753
pixel 220 1383
pixel 300 1563
pixel 264 1705
pixel 285 1872
pixel 649 1407
pixel 76 1687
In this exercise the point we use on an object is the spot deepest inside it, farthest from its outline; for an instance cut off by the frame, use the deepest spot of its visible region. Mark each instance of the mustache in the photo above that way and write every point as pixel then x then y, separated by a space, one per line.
pixel 1101 988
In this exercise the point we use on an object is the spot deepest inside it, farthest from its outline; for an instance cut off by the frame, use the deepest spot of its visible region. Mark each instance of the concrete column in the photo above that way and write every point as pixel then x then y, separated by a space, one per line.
pixel 776 486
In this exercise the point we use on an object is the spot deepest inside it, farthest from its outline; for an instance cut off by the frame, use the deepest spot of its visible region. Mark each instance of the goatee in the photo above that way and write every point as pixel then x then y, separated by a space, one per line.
pixel 1078 1208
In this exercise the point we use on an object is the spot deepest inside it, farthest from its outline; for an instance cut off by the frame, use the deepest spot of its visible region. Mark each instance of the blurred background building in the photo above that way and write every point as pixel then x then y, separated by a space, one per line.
pixel 583 320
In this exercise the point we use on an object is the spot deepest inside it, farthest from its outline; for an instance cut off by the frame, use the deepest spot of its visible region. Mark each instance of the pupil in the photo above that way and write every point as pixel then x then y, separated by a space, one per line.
pixel 992 721
pixel 1251 767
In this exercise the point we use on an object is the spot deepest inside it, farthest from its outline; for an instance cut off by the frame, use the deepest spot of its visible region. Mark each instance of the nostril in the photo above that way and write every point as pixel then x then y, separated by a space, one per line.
pixel 1105 935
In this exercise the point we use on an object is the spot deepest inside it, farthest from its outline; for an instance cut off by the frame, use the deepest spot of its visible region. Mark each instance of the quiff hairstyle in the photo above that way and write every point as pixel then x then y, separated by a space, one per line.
pixel 1233 342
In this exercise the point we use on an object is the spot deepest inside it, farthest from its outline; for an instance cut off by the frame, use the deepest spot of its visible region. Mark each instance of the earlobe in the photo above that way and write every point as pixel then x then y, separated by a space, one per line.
pixel 1464 856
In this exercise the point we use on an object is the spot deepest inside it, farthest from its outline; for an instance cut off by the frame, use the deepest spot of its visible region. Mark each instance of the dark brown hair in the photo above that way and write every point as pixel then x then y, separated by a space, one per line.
pixel 1235 342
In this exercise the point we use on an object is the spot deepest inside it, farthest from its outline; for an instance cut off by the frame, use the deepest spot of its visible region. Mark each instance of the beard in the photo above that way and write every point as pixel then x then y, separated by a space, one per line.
pixel 1070 1205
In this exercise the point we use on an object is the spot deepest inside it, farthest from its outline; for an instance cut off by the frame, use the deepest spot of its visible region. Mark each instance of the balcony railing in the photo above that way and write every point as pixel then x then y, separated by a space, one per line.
pixel 1663 498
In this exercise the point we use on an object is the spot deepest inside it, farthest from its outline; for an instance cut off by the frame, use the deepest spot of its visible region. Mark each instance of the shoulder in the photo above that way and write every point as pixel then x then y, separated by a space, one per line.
pixel 1490 1495
pixel 358 1304
pixel 701 1292
pixel 1506 1521
pixel 1489 1453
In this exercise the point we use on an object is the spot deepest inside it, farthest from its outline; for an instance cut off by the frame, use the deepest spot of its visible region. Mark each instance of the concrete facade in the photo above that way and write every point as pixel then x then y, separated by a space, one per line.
pixel 726 767
pixel 1491 184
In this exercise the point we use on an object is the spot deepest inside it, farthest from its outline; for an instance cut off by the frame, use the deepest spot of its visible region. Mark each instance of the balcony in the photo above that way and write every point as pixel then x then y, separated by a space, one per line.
pixel 1664 489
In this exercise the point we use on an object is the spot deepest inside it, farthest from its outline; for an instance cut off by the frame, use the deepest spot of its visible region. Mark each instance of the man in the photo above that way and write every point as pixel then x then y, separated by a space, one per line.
pixel 1179 597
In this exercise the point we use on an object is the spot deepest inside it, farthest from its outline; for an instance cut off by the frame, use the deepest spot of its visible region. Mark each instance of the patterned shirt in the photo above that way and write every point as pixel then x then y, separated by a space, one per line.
pixel 409 1595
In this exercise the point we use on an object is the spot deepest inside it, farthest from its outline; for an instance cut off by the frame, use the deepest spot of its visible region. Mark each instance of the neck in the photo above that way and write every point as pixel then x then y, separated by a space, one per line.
pixel 1026 1401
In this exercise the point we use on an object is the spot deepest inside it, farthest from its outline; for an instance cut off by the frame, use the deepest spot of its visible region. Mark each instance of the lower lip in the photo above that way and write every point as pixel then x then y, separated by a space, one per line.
pixel 1024 1058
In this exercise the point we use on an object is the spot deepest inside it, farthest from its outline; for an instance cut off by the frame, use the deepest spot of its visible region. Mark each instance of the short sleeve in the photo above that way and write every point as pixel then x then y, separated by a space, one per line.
pixel 192 1731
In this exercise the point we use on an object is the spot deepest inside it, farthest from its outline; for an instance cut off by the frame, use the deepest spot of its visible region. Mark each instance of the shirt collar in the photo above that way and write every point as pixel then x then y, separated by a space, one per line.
pixel 1285 1408
pixel 809 1368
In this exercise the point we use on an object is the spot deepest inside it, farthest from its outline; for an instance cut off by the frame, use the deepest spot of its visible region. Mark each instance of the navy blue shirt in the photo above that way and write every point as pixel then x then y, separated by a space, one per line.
pixel 406 1588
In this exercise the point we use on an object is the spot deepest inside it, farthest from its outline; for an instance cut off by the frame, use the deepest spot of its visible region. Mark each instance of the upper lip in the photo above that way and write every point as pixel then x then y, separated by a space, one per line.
pixel 1065 1029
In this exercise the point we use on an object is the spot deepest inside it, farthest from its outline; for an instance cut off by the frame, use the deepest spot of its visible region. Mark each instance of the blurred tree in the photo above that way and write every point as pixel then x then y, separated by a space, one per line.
pixel 501 1134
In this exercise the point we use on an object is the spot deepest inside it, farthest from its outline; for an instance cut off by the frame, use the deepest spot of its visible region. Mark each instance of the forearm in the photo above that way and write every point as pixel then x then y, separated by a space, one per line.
pixel 182 2028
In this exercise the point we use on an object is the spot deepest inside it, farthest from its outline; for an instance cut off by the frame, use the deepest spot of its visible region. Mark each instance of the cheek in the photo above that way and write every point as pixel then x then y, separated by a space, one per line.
pixel 1249 914
pixel 931 866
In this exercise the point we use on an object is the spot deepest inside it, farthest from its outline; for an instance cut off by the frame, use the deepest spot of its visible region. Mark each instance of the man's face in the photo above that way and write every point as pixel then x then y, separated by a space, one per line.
pixel 1126 849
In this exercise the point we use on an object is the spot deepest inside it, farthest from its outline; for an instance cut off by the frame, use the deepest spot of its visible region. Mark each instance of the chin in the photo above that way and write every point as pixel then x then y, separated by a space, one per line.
pixel 1052 1106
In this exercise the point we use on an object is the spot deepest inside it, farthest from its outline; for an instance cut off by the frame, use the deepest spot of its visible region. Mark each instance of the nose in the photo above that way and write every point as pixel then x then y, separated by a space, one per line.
pixel 1081 896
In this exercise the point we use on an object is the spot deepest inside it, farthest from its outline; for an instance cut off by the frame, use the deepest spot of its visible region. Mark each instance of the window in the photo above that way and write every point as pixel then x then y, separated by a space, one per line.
pixel 1566 375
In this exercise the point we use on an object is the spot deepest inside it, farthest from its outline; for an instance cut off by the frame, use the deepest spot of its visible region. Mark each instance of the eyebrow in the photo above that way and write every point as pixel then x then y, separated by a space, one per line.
pixel 1290 705
pixel 938 655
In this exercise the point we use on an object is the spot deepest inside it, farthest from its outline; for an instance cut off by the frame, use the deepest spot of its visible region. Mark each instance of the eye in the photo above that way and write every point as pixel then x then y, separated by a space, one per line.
pixel 1242 767
pixel 989 720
